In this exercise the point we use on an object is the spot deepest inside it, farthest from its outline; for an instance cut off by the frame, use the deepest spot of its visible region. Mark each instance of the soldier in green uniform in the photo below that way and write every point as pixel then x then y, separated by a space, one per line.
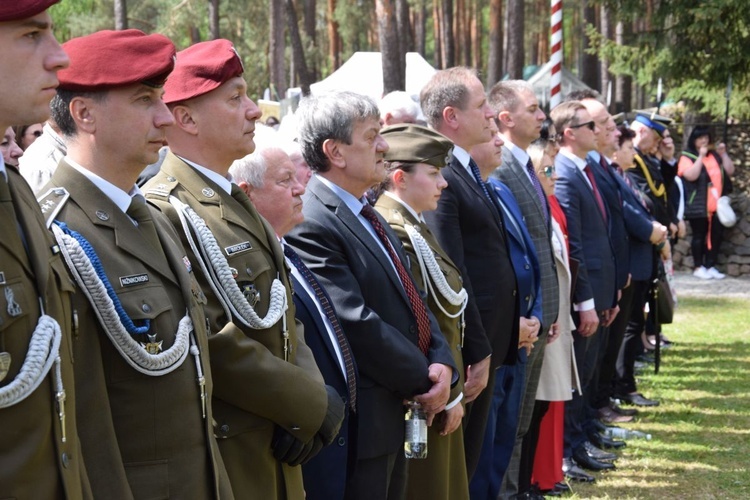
pixel 41 455
pixel 272 408
pixel 414 183
pixel 140 342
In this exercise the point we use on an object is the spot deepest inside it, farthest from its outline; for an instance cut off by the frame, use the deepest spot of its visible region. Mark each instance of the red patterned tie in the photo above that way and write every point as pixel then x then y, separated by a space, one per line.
pixel 323 299
pixel 598 197
pixel 417 304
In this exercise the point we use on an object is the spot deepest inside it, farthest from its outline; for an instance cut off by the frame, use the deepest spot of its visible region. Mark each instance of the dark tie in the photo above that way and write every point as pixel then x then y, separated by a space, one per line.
pixel 598 196
pixel 138 211
pixel 417 304
pixel 323 299
pixel 478 177
pixel 608 171
pixel 538 188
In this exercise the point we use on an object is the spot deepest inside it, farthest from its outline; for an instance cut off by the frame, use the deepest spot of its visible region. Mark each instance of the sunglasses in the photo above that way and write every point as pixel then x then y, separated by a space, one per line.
pixel 549 171
pixel 591 125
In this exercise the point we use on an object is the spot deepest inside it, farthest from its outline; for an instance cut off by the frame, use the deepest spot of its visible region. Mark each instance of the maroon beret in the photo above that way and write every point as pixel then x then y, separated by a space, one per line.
pixel 201 68
pixel 22 9
pixel 107 59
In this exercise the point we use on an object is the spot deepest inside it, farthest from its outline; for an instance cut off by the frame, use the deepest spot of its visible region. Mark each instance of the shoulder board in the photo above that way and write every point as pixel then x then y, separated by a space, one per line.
pixel 162 190
pixel 51 203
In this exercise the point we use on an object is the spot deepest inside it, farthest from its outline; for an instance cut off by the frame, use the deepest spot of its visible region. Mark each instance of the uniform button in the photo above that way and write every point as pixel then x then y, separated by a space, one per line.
pixel 342 441
pixel 526 266
pixel 527 298
pixel 65 460
pixel 224 429
pixel 458 347
pixel 146 308
pixel 514 293
pixel 249 271
pixel 412 329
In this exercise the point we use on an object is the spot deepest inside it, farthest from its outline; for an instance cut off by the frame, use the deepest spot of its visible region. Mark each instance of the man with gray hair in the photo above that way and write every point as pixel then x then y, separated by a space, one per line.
pixel 398 107
pixel 400 352
pixel 519 119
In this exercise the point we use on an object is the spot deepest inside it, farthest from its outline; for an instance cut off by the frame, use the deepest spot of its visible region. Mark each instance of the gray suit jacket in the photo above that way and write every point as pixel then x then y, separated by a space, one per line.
pixel 513 174
pixel 375 314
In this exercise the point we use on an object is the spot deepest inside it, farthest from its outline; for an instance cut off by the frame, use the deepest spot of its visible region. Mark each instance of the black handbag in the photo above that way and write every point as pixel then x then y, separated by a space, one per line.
pixel 663 299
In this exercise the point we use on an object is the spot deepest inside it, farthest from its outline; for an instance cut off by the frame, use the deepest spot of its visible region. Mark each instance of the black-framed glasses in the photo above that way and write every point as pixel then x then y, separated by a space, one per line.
pixel 591 125
pixel 549 171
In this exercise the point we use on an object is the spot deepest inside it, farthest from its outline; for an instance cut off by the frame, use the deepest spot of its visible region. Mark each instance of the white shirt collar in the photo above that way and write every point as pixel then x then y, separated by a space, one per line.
pixel 579 162
pixel 224 183
pixel 519 154
pixel 114 193
pixel 352 202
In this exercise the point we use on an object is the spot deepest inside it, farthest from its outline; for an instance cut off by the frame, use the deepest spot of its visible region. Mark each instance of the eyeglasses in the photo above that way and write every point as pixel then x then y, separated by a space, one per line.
pixel 591 125
pixel 549 171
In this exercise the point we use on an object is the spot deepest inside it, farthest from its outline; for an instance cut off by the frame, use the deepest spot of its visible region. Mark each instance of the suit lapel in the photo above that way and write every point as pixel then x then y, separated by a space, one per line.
pixel 472 185
pixel 102 211
pixel 333 202
pixel 519 172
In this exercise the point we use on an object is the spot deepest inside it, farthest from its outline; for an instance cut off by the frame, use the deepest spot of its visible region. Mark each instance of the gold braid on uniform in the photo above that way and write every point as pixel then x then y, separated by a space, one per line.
pixel 222 281
pixel 661 191
pixel 429 266
pixel 43 352
pixel 154 365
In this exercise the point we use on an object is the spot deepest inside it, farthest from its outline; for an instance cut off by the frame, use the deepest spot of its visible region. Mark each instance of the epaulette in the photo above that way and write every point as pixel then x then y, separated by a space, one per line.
pixel 163 189
pixel 51 203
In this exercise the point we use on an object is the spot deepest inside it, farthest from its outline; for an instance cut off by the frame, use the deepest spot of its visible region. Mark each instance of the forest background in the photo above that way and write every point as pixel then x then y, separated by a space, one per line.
pixel 694 46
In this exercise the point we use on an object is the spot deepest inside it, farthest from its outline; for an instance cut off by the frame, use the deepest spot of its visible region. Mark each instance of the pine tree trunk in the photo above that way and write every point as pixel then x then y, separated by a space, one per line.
pixel 605 20
pixel 309 8
pixel 298 52
pixel 213 19
pixel 515 52
pixel 589 65
pixel 334 39
pixel 420 26
pixel 277 47
pixel 437 29
pixel 495 42
pixel 121 15
pixel 389 46
pixel 447 41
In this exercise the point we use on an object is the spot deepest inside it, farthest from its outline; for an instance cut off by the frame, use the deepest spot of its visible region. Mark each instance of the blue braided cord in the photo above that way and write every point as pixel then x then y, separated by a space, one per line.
pixel 97 264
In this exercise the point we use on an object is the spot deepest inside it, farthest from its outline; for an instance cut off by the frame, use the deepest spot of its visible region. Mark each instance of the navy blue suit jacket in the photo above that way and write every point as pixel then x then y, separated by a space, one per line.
pixel 522 253
pixel 588 237
pixel 326 474
pixel 638 222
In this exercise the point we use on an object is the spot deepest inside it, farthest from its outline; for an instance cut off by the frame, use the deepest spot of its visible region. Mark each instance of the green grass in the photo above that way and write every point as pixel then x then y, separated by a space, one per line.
pixel 701 431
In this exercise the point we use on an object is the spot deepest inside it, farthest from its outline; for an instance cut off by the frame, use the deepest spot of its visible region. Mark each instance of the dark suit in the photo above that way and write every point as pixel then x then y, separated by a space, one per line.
pixel 588 238
pixel 469 228
pixel 326 474
pixel 377 319
pixel 537 219
pixel 35 462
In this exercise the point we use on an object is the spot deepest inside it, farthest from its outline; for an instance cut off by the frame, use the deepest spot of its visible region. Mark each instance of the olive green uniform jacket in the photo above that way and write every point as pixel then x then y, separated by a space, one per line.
pixel 34 461
pixel 142 436
pixel 256 388
pixel 443 474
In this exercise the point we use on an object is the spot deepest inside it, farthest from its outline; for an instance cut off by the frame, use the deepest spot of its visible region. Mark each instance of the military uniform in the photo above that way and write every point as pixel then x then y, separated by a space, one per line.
pixel 443 474
pixel 35 462
pixel 262 381
pixel 143 436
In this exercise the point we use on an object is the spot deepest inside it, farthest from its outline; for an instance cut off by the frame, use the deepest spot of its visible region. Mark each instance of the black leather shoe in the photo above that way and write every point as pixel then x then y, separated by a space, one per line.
pixel 638 400
pixel 598 454
pixel 606 442
pixel 584 460
pixel 562 487
pixel 610 416
pixel 628 412
pixel 575 473
pixel 599 426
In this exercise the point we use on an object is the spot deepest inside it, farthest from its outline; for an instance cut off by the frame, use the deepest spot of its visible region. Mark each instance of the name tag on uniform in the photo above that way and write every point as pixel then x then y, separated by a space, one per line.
pixel 134 279
pixel 238 248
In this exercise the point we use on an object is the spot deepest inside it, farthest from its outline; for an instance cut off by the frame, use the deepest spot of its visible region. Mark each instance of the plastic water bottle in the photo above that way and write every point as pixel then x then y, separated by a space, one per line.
pixel 415 439
pixel 620 433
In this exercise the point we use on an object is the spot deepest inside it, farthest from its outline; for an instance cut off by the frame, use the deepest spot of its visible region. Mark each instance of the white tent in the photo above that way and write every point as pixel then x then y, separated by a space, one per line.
pixel 540 82
pixel 363 73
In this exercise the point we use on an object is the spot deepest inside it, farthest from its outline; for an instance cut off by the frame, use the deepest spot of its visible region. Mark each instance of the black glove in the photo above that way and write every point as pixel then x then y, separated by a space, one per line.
pixel 329 429
pixel 287 448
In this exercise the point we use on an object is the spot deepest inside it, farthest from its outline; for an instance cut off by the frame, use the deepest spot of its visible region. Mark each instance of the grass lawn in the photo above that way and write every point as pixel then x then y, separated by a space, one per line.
pixel 701 432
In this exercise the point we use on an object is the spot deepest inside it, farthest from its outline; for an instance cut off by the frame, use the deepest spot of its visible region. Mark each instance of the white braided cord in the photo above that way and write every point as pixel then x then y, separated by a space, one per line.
pixel 154 365
pixel 428 265
pixel 43 352
pixel 220 275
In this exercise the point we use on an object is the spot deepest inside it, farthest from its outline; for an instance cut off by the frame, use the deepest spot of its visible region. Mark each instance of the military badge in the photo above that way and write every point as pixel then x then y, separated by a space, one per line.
pixel 152 346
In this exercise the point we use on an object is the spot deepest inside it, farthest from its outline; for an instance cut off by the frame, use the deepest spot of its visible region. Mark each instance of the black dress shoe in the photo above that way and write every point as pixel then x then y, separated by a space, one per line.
pixel 606 442
pixel 610 416
pixel 628 412
pixel 584 460
pixel 599 426
pixel 562 487
pixel 638 399
pixel 575 473
pixel 598 454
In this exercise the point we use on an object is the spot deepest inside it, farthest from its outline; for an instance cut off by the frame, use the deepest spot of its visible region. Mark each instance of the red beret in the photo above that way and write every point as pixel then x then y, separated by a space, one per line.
pixel 201 68
pixel 107 59
pixel 23 9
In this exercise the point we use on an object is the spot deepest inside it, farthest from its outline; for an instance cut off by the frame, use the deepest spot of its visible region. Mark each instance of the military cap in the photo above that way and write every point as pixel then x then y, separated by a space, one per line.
pixel 202 68
pixel 656 122
pixel 408 143
pixel 108 59
pixel 14 10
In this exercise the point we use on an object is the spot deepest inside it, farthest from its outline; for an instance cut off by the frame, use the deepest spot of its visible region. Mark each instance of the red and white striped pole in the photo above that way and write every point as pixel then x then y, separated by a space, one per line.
pixel 555 80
